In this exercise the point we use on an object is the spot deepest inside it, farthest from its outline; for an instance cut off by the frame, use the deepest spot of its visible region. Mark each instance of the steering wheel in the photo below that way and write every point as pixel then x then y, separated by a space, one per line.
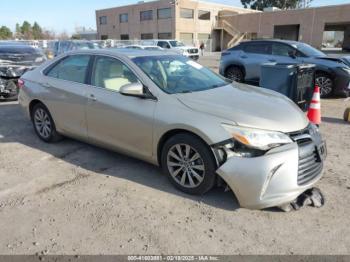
pixel 186 80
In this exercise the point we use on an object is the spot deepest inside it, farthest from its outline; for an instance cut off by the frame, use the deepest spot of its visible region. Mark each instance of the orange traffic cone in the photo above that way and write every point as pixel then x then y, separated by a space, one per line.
pixel 314 113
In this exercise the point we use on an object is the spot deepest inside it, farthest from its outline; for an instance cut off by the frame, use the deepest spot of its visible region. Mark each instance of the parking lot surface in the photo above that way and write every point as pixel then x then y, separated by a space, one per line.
pixel 74 198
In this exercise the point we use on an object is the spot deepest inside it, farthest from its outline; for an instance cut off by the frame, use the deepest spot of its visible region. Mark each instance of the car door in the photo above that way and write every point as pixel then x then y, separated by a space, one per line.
pixel 253 56
pixel 66 93
pixel 115 120
pixel 281 53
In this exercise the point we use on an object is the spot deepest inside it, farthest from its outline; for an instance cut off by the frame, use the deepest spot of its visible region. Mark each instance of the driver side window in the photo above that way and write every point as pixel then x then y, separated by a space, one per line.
pixel 282 50
pixel 111 74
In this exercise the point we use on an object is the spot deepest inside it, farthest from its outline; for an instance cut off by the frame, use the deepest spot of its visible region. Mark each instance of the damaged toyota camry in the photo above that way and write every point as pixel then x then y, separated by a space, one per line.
pixel 201 129
pixel 15 60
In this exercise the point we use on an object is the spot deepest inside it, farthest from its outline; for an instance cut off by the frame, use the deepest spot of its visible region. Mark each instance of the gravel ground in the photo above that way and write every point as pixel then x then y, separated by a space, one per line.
pixel 73 198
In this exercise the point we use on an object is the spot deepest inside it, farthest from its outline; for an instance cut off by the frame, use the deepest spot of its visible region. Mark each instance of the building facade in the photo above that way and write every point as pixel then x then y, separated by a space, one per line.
pixel 307 25
pixel 191 21
pixel 221 26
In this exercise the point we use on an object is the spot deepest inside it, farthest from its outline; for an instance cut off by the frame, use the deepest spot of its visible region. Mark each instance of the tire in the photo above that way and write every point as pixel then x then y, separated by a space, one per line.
pixel 235 73
pixel 194 177
pixel 43 124
pixel 325 83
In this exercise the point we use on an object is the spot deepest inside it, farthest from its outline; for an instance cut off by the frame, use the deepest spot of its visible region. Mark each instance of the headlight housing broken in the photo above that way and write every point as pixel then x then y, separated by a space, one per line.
pixel 257 138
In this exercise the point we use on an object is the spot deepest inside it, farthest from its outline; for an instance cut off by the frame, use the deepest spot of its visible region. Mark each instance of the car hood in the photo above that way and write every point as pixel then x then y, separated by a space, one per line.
pixel 330 61
pixel 248 106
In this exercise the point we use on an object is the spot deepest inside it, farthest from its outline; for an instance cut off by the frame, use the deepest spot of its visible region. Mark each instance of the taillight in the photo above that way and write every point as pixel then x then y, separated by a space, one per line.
pixel 20 83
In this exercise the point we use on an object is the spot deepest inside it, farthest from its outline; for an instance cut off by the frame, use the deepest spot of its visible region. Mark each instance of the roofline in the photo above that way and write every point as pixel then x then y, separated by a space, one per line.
pixel 170 4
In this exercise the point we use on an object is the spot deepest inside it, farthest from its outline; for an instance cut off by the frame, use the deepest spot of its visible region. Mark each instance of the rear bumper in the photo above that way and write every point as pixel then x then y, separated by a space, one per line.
pixel 273 179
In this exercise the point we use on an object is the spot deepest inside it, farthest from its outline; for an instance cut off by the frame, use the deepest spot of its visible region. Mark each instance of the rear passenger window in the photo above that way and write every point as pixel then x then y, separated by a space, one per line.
pixel 72 68
pixel 258 48
pixel 111 74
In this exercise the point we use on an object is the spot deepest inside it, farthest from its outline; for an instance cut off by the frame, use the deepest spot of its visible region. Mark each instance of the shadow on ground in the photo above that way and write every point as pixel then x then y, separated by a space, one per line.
pixel 334 120
pixel 15 128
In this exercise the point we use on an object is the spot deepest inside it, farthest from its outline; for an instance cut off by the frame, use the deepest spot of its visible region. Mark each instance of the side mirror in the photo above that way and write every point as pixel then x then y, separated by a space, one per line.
pixel 133 89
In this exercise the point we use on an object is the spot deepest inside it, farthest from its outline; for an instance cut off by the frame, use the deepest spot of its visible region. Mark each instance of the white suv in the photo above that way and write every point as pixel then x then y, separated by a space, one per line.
pixel 179 47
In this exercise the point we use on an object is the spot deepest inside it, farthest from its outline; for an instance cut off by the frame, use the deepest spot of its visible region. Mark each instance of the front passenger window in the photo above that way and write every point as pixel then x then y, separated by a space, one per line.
pixel 111 74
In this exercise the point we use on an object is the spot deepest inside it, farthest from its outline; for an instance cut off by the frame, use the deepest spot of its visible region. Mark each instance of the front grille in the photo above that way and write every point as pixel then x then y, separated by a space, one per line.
pixel 192 51
pixel 310 164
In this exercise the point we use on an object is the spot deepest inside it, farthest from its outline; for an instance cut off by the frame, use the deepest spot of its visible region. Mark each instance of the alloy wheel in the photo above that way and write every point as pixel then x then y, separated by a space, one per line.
pixel 235 74
pixel 42 123
pixel 185 165
pixel 325 84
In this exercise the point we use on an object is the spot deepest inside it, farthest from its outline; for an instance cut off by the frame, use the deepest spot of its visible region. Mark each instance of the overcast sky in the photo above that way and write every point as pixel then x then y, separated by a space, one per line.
pixel 65 15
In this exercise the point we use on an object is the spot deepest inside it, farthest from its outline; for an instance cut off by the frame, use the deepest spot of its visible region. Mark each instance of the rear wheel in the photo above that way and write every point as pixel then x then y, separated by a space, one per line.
pixel 235 73
pixel 325 83
pixel 44 125
pixel 189 164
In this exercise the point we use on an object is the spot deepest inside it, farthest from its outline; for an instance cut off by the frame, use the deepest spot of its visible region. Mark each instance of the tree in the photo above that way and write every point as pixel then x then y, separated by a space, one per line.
pixel 282 4
pixel 26 30
pixel 37 31
pixel 18 33
pixel 5 33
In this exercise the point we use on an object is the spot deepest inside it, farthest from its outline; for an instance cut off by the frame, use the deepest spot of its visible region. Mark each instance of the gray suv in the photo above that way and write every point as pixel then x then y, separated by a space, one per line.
pixel 242 63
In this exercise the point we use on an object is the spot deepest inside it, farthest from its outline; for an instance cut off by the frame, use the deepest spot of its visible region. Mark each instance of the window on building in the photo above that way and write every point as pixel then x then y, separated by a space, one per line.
pixel 103 20
pixel 146 36
pixel 123 18
pixel 187 38
pixel 124 37
pixel 146 15
pixel 203 15
pixel 164 13
pixel 104 37
pixel 186 13
pixel 164 36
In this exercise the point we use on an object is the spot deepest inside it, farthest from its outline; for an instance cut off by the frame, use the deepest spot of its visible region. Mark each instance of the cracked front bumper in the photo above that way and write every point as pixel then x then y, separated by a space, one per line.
pixel 269 180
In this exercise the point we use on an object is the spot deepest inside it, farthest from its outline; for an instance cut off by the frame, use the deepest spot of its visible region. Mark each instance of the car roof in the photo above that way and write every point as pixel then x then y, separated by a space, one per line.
pixel 16 47
pixel 130 53
pixel 290 42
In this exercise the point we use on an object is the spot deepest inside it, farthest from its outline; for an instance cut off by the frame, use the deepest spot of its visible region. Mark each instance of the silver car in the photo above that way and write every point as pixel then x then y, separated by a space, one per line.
pixel 171 111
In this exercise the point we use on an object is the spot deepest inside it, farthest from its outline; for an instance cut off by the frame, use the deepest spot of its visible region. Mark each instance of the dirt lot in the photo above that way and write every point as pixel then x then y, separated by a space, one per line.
pixel 73 198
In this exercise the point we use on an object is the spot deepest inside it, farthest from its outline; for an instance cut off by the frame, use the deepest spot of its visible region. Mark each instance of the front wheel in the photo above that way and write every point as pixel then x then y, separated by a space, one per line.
pixel 44 125
pixel 189 164
pixel 325 83
pixel 235 73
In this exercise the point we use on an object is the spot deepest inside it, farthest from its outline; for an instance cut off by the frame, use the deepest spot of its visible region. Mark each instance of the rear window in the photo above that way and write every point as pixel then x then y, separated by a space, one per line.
pixel 257 48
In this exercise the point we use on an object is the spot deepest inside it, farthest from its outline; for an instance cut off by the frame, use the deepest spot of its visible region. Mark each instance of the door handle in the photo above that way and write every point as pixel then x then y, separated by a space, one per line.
pixel 93 98
pixel 244 56
pixel 272 60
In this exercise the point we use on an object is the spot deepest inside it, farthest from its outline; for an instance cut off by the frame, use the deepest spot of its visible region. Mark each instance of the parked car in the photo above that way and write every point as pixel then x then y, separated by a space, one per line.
pixel 15 60
pixel 177 46
pixel 61 47
pixel 242 63
pixel 144 47
pixel 170 111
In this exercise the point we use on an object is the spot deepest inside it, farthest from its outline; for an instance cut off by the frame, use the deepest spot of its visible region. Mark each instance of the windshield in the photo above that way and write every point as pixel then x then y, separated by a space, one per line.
pixel 177 74
pixel 176 43
pixel 86 45
pixel 309 50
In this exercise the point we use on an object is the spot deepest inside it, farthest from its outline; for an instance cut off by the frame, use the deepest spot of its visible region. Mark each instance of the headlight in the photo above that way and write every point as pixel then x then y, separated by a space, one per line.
pixel 257 138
